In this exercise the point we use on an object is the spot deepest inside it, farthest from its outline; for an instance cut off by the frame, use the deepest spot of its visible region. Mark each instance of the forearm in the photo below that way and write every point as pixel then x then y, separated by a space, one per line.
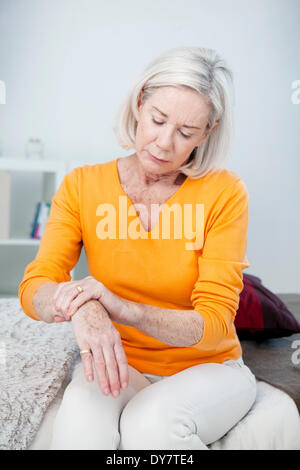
pixel 179 328
pixel 175 327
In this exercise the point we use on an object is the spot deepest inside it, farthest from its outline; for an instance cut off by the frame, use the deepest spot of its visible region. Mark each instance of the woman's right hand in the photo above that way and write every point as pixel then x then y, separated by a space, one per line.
pixel 95 331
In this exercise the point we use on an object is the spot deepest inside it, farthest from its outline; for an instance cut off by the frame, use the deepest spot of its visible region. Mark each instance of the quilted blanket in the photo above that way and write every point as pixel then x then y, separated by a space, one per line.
pixel 35 360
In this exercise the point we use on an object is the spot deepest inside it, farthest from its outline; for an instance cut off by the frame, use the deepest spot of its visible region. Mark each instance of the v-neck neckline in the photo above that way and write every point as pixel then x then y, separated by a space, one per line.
pixel 116 172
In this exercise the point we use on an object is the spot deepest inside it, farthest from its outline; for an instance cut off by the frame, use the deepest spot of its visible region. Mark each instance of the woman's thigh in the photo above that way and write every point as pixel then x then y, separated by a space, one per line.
pixel 87 419
pixel 190 409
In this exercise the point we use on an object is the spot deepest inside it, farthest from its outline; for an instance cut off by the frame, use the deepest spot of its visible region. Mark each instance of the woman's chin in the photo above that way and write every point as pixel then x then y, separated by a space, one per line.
pixel 149 165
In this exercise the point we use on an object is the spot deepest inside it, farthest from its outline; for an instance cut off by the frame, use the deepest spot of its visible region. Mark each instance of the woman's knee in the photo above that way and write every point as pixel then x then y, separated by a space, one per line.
pixel 89 419
pixel 86 419
pixel 172 415
pixel 149 421
pixel 138 424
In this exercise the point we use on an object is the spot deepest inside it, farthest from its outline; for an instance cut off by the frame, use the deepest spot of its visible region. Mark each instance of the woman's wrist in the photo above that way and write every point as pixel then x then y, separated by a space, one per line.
pixel 121 310
pixel 43 307
pixel 92 311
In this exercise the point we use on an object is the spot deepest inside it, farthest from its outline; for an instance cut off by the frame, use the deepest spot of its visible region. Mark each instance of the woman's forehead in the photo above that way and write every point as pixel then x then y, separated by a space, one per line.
pixel 189 108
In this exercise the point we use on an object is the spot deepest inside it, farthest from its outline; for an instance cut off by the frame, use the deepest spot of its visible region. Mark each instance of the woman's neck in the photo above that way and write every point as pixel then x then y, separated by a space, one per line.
pixel 174 178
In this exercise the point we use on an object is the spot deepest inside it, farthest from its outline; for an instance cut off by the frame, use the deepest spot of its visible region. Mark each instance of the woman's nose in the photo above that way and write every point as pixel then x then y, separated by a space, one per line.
pixel 165 139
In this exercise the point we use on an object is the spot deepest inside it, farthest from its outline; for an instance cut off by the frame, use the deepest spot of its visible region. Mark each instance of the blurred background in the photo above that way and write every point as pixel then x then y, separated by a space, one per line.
pixel 68 64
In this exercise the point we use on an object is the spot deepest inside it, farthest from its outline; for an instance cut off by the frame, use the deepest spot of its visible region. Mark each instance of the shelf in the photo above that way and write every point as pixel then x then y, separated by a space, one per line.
pixel 20 241
pixel 24 164
pixel 18 201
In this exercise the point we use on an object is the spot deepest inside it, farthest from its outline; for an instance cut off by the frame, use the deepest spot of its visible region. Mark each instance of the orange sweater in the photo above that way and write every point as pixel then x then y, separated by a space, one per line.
pixel 157 268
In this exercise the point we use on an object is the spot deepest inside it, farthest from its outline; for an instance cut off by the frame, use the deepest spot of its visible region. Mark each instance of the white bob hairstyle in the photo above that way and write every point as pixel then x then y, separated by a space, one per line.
pixel 206 72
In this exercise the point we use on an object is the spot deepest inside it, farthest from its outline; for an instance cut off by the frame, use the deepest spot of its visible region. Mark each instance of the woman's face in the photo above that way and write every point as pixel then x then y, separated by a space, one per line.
pixel 171 123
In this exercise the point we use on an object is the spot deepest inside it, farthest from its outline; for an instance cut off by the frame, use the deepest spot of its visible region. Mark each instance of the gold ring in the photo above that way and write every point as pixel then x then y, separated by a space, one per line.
pixel 84 351
pixel 79 289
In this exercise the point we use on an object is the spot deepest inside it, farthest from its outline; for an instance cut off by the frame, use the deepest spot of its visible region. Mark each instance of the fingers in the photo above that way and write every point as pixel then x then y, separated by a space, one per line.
pixel 67 299
pixel 111 367
pixel 58 290
pixel 112 370
pixel 87 362
pixel 100 368
pixel 69 295
pixel 59 319
pixel 107 354
pixel 75 303
pixel 64 297
pixel 122 364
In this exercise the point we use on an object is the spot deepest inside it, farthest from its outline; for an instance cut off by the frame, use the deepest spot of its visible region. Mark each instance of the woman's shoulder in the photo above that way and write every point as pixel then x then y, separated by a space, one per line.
pixel 223 175
pixel 89 172
pixel 89 177
pixel 221 179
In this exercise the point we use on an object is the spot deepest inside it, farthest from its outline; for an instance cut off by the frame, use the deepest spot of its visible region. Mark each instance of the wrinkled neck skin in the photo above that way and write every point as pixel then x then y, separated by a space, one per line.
pixel 147 179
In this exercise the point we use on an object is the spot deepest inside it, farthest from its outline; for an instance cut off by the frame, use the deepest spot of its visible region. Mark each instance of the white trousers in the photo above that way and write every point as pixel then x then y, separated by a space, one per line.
pixel 187 410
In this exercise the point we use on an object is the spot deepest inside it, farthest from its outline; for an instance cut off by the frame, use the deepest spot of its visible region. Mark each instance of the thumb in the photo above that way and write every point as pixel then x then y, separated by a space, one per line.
pixel 59 319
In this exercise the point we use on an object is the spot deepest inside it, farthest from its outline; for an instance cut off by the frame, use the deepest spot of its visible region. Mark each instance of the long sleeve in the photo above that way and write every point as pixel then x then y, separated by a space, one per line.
pixel 157 272
pixel 60 246
pixel 216 292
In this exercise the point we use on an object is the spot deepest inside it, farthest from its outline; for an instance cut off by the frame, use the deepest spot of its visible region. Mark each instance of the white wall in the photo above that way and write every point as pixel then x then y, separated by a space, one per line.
pixel 67 64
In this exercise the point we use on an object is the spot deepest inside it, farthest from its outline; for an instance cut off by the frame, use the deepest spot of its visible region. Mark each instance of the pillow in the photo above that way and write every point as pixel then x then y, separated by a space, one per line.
pixel 261 314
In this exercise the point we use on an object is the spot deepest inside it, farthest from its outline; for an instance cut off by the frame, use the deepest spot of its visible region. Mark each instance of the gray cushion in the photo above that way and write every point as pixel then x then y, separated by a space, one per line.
pixel 275 361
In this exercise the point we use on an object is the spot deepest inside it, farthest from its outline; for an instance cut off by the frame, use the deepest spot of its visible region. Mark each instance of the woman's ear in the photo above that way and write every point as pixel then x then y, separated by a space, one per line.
pixel 214 126
pixel 207 133
pixel 140 99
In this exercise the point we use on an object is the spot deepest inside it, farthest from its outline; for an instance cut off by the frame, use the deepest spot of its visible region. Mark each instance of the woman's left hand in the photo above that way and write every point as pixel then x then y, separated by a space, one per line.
pixel 67 299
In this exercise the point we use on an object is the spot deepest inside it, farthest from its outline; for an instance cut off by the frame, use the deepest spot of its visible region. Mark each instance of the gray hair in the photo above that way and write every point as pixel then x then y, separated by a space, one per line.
pixel 198 68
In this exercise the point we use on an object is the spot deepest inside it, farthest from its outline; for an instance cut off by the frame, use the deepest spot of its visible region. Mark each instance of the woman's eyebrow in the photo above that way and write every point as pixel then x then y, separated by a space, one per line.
pixel 183 125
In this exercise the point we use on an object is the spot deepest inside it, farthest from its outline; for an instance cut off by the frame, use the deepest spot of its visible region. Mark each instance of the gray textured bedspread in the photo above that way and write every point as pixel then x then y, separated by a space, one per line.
pixel 277 361
pixel 35 359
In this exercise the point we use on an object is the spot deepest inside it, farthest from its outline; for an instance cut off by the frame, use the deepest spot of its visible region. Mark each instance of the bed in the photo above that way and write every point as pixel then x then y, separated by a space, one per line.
pixel 273 422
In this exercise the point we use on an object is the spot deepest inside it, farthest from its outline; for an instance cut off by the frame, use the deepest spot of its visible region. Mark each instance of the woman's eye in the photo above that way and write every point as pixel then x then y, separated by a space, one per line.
pixel 157 122
pixel 185 136
pixel 160 123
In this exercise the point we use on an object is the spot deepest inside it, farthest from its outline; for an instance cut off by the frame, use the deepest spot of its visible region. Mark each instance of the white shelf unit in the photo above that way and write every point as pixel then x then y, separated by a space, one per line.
pixel 19 249
pixel 19 242
pixel 52 173
pixel 23 164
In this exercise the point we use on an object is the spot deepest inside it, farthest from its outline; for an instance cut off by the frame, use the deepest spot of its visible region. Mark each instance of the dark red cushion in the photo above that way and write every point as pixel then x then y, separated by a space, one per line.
pixel 261 314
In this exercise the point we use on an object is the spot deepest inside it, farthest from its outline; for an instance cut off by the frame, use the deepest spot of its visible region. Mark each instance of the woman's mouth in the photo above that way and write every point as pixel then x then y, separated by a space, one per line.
pixel 159 160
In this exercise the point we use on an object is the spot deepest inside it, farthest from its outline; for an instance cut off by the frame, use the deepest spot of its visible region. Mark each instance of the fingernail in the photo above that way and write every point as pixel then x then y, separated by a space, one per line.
pixel 124 384
pixel 115 393
pixel 90 378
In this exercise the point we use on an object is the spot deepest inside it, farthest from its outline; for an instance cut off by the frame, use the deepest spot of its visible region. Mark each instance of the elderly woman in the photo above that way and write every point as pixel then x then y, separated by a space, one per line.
pixel 165 235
